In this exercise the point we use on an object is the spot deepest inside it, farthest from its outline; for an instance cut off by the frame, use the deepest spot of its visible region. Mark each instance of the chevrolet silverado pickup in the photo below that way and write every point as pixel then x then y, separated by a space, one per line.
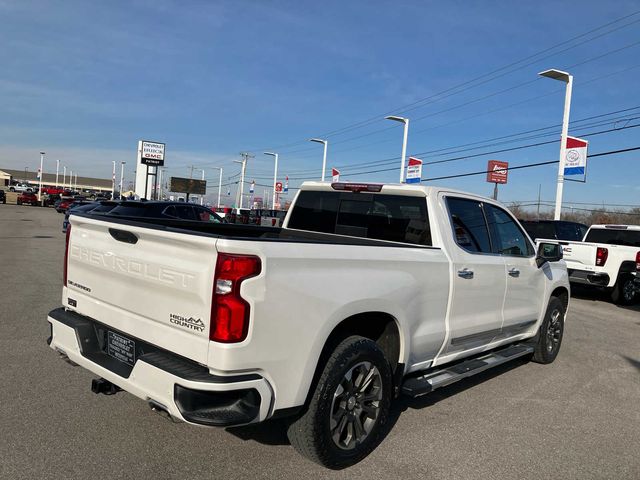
pixel 367 292
pixel 607 258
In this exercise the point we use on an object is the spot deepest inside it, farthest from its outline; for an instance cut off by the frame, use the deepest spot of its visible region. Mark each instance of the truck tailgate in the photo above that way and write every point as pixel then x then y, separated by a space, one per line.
pixel 149 283
pixel 579 255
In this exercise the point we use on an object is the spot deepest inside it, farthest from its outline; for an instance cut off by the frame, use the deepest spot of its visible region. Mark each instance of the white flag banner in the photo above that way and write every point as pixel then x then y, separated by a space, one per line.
pixel 575 162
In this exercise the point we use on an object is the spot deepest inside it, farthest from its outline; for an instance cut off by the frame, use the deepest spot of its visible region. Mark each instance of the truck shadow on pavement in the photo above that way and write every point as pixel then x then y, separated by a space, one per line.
pixel 634 363
pixel 274 432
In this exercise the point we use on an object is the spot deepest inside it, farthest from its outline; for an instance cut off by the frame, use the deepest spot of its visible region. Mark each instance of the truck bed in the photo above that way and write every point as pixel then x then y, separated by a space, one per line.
pixel 244 232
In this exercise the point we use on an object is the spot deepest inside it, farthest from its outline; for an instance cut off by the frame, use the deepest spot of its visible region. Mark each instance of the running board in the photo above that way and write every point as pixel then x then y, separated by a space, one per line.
pixel 428 382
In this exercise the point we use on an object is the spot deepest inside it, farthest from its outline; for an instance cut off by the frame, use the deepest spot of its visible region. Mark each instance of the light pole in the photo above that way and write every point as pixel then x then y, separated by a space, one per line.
pixel 219 185
pixel 40 175
pixel 122 164
pixel 404 142
pixel 64 177
pixel 76 182
pixel 324 156
pixel 70 179
pixel 568 79
pixel 275 177
pixel 113 180
pixel 159 170
pixel 57 170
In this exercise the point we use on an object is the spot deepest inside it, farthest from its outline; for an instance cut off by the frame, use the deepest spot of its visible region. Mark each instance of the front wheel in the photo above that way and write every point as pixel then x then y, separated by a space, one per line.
pixel 551 331
pixel 347 415
pixel 624 291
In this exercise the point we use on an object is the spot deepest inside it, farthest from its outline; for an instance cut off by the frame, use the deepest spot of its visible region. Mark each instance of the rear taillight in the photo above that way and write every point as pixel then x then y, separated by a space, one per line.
pixel 66 254
pixel 601 256
pixel 229 311
pixel 638 262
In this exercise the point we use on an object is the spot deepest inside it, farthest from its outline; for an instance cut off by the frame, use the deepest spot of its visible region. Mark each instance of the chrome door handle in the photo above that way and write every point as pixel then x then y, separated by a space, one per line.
pixel 514 272
pixel 465 273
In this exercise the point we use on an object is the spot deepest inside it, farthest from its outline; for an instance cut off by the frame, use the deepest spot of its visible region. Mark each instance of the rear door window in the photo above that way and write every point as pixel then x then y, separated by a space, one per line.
pixel 469 225
pixel 395 218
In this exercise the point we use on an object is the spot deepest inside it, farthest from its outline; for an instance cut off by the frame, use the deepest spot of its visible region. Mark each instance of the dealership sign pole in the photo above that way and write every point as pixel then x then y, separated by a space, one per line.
pixel 497 172
pixel 150 154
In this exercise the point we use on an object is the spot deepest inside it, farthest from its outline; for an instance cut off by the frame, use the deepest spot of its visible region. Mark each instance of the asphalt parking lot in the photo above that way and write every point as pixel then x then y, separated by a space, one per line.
pixel 576 418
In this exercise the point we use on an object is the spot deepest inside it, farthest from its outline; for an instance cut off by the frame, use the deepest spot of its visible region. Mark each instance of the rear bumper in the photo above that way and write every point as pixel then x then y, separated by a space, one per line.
pixel 584 277
pixel 185 389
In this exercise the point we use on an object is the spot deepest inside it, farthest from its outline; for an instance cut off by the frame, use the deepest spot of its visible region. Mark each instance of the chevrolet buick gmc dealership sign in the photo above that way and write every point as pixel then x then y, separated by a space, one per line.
pixel 152 153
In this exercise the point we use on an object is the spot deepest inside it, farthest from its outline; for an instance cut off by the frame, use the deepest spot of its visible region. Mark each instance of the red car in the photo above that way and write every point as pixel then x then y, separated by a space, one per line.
pixel 53 190
pixel 27 197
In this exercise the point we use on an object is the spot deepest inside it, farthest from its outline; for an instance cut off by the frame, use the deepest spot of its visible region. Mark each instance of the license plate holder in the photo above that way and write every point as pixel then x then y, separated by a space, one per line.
pixel 121 348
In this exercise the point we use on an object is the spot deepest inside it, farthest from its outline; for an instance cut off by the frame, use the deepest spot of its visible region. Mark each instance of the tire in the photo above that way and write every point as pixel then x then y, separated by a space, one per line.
pixel 549 338
pixel 624 291
pixel 325 432
pixel 12 189
pixel 18 202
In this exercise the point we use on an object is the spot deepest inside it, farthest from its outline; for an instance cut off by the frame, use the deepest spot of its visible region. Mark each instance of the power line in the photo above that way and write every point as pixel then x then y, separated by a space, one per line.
pixel 530 165
pixel 468 84
pixel 482 154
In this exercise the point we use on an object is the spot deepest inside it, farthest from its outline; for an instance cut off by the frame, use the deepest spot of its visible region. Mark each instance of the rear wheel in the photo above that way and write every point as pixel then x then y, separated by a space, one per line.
pixel 347 415
pixel 624 291
pixel 551 331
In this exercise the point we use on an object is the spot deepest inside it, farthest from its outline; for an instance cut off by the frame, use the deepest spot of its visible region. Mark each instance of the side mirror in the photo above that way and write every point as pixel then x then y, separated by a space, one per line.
pixel 548 252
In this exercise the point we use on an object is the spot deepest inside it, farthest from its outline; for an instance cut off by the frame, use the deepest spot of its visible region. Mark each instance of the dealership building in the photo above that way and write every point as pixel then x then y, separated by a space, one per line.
pixel 8 176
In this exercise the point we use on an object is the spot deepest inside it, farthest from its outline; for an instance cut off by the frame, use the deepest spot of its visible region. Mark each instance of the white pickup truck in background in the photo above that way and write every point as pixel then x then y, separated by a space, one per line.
pixel 368 291
pixel 607 258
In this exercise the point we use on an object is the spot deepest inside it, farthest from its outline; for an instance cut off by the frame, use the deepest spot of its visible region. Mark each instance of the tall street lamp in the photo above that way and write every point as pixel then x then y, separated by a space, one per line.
pixel 122 164
pixel 324 156
pixel 275 177
pixel 568 80
pixel 219 185
pixel 64 176
pixel 41 170
pixel 57 170
pixel 404 141
pixel 113 180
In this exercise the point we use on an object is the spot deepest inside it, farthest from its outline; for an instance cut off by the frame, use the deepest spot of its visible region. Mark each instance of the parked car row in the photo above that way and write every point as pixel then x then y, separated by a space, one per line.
pixel 260 216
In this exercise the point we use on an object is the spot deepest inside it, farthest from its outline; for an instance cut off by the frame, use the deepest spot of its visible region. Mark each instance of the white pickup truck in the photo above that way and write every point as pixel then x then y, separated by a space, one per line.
pixel 368 291
pixel 608 258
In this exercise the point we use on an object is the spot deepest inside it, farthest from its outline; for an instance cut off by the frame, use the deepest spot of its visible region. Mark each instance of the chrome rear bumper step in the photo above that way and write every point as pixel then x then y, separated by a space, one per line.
pixel 441 377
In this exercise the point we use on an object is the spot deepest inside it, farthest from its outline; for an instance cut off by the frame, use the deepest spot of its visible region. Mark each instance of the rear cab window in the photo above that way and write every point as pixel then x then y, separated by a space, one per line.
pixel 614 236
pixel 395 218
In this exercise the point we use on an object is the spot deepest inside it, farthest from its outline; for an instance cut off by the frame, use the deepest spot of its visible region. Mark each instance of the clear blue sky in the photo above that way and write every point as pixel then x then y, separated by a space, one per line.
pixel 85 80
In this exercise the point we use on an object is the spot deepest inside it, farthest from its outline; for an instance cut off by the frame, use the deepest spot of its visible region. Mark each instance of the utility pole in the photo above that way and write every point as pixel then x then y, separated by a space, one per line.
pixel 539 190
pixel 202 196
pixel 245 156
